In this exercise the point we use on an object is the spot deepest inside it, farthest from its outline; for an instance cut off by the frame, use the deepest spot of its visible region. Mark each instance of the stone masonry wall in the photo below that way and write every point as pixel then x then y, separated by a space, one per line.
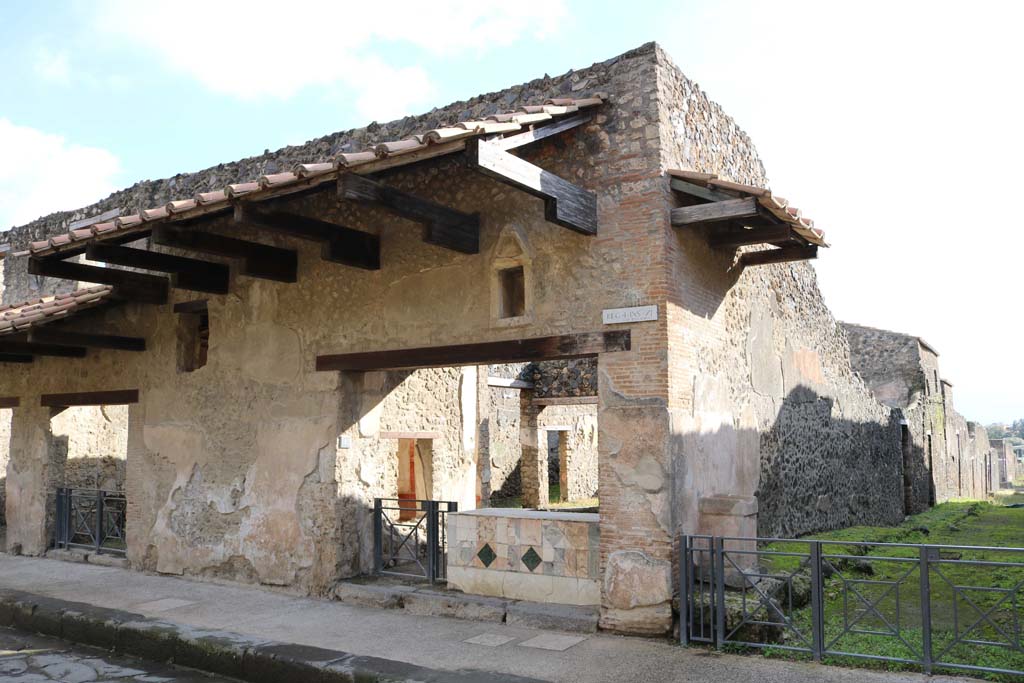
pixel 5 440
pixel 889 363
pixel 764 401
pixel 234 470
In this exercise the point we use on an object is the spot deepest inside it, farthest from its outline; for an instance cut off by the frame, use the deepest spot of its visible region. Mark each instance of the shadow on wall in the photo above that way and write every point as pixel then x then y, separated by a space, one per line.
pixel 809 471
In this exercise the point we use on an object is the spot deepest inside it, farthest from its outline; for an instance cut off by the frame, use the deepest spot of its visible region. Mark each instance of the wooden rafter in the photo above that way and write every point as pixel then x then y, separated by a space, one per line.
pixel 783 255
pixel 341 244
pixel 139 287
pixel 16 358
pixel 747 236
pixel 444 227
pixel 47 335
pixel 9 401
pixel 33 349
pixel 258 260
pixel 186 273
pixel 515 350
pixel 565 204
pixel 535 134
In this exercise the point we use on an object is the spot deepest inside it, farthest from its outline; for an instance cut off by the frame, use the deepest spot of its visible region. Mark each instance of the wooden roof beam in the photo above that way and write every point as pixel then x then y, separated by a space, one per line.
pixel 541 132
pixel 695 190
pixel 141 287
pixel 186 273
pixel 90 398
pixel 32 349
pixel 444 227
pixel 46 335
pixel 540 348
pixel 783 255
pixel 258 260
pixel 15 358
pixel 726 210
pixel 341 244
pixel 565 204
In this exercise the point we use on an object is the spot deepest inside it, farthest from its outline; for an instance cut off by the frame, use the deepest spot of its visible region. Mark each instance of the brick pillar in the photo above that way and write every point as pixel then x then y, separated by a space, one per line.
pixel 635 492
pixel 140 493
pixel 533 461
pixel 35 470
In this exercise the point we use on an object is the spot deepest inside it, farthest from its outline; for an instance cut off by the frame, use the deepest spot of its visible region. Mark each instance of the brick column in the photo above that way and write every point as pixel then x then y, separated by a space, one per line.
pixel 33 473
pixel 533 461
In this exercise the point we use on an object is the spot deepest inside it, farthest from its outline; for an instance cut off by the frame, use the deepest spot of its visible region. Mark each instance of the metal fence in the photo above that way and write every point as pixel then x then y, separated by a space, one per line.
pixel 91 519
pixel 409 537
pixel 935 606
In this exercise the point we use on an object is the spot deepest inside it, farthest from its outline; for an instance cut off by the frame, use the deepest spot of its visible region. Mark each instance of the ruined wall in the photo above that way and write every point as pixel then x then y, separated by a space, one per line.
pixel 889 363
pixel 234 469
pixel 578 476
pixel 5 443
pixel 94 442
pixel 505 479
pixel 576 377
pixel 764 401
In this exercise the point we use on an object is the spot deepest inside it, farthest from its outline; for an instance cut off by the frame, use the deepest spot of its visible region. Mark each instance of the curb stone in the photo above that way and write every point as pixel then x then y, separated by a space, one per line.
pixel 217 652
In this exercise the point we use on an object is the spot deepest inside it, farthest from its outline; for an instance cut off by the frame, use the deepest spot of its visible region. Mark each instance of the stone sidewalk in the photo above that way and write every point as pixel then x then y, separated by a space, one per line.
pixel 499 651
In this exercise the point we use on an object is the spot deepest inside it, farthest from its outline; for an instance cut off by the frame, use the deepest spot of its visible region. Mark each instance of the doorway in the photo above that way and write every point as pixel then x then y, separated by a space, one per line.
pixel 415 474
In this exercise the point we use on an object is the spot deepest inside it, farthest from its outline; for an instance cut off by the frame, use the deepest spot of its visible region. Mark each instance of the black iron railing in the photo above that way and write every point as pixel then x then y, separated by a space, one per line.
pixel 91 519
pixel 409 537
pixel 934 606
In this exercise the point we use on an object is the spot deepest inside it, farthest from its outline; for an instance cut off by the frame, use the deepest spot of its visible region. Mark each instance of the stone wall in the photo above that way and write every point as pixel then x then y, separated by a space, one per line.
pixel 889 363
pixel 563 377
pixel 5 441
pixel 93 440
pixel 764 401
pixel 234 470
pixel 577 425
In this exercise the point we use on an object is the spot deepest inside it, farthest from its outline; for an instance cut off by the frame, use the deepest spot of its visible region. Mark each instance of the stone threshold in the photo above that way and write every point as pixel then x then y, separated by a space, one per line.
pixel 221 653
pixel 439 602
pixel 80 555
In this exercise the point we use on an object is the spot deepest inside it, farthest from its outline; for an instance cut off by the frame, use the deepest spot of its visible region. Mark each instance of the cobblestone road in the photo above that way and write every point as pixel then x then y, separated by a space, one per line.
pixel 35 659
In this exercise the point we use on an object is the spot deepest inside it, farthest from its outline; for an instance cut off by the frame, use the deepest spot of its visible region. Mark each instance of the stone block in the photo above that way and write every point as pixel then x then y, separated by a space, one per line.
pixel 89 626
pixel 151 640
pixel 431 604
pixel 368 595
pixel 218 653
pixel 67 555
pixel 109 561
pixel 287 663
pixel 575 618
pixel 633 580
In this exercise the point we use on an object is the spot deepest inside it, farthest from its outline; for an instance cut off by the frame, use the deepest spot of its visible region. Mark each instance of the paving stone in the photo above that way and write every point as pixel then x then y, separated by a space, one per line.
pixel 553 641
pixel 431 604
pixel 490 639
pixel 578 619
pixel 163 604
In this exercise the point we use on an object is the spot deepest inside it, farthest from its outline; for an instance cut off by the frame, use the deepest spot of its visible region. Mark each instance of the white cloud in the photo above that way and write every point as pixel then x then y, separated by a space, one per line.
pixel 257 50
pixel 52 66
pixel 42 173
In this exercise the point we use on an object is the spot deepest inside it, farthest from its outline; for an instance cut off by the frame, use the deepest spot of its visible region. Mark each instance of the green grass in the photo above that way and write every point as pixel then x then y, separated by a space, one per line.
pixel 955 523
pixel 554 496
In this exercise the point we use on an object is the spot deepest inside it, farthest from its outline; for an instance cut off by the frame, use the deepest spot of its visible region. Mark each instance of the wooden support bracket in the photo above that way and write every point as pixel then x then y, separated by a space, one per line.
pixel 744 237
pixel 186 273
pixel 141 287
pixel 341 244
pixel 90 398
pixel 45 335
pixel 565 204
pixel 443 226
pixel 730 209
pixel 783 255
pixel 258 260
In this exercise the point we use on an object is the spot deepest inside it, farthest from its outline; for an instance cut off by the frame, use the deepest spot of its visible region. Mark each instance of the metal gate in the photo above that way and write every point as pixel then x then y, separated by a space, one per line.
pixel 91 519
pixel 935 606
pixel 410 538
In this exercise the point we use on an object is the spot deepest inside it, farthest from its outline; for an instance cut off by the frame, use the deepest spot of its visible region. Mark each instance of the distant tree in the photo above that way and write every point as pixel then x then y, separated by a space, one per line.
pixel 996 431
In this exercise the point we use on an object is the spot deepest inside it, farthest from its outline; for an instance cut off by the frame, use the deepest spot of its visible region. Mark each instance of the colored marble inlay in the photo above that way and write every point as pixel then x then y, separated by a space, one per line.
pixel 531 559
pixel 487 555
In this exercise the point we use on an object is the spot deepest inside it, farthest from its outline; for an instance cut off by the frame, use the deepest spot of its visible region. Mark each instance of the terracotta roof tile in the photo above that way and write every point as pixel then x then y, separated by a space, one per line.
pixel 27 314
pixel 204 202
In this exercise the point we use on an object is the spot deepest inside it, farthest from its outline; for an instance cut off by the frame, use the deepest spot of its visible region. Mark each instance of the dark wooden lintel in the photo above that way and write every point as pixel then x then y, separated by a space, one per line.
pixel 9 401
pixel 32 349
pixel 516 350
pixel 565 204
pixel 444 227
pixel 342 245
pixel 47 335
pixel 194 306
pixel 541 132
pixel 186 273
pixel 16 358
pixel 783 255
pixel 90 398
pixel 258 260
pixel 743 237
pixel 140 287
pixel 694 190
pixel 726 210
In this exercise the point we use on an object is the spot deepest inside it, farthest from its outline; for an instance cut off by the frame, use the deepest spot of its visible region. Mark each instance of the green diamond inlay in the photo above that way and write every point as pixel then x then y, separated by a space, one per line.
pixel 531 559
pixel 487 555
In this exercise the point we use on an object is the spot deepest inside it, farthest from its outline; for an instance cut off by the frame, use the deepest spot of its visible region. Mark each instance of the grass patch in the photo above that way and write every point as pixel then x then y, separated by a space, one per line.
pixel 887 578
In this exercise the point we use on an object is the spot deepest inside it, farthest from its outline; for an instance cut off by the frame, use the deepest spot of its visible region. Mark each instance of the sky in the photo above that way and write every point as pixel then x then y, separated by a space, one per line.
pixel 897 126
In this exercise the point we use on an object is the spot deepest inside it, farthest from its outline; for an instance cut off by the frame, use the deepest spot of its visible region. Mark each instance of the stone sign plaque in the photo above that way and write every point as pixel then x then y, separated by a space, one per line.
pixel 634 314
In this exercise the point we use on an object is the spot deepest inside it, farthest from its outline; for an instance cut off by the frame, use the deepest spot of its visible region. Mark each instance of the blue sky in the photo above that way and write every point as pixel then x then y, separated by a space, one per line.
pixel 897 126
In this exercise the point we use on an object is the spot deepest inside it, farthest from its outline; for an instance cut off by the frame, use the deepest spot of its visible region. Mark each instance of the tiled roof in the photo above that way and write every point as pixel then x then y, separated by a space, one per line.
pixel 22 316
pixel 434 142
pixel 777 206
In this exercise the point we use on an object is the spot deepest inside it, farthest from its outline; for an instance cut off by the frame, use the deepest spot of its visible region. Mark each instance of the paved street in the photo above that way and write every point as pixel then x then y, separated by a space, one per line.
pixel 434 642
pixel 35 659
